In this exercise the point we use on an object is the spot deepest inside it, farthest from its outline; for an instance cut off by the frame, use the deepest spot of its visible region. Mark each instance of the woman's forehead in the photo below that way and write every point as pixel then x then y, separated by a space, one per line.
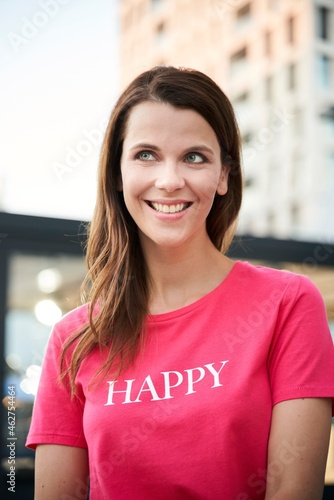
pixel 157 120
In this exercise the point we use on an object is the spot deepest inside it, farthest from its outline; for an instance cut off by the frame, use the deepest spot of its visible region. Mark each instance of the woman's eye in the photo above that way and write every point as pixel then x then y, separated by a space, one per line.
pixel 145 156
pixel 194 158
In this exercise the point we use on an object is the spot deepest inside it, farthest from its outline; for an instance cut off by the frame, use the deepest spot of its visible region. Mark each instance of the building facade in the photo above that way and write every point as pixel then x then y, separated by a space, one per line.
pixel 275 61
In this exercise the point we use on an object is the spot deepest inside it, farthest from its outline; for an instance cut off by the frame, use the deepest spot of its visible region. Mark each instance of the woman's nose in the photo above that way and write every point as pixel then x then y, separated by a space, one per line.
pixel 170 177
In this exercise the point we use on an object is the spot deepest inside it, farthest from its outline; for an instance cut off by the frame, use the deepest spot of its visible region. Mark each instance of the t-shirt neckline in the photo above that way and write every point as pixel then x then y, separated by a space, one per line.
pixel 197 303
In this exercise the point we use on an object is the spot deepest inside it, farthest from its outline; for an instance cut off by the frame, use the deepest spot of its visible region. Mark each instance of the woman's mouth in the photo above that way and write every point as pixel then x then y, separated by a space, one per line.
pixel 169 209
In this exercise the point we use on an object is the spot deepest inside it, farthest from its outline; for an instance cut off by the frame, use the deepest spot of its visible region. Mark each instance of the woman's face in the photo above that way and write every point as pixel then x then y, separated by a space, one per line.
pixel 171 171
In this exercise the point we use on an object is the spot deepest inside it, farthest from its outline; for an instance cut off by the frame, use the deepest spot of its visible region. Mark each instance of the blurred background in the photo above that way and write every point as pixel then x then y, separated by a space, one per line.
pixel 62 65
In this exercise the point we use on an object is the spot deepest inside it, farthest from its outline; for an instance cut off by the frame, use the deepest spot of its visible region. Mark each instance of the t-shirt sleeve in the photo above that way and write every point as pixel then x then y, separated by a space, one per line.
pixel 57 418
pixel 301 359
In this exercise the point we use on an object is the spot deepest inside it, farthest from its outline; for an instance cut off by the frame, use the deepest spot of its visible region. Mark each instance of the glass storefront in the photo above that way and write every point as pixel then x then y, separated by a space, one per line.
pixel 41 268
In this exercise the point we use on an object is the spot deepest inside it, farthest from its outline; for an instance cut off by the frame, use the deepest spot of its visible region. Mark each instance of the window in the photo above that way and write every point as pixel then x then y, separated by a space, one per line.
pixel 292 76
pixel 238 61
pixel 242 105
pixel 295 211
pixel 271 221
pixel 268 88
pixel 245 11
pixel 160 33
pixel 248 154
pixel 249 182
pixel 156 4
pixel 323 23
pixel 247 138
pixel 243 15
pixel 323 70
pixel 328 121
pixel 268 44
pixel 241 98
pixel 291 30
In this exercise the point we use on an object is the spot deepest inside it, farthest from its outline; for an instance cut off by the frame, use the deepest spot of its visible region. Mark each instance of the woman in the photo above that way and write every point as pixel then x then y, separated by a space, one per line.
pixel 188 375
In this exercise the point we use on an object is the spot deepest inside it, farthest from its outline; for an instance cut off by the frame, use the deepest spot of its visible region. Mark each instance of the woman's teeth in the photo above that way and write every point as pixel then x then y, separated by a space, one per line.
pixel 169 209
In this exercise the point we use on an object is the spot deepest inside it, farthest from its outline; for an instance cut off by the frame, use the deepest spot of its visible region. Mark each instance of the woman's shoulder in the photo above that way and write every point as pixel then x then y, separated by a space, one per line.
pixel 73 320
pixel 265 277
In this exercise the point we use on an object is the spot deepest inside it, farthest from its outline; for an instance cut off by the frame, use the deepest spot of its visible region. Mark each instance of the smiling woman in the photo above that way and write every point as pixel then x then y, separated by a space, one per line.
pixel 208 378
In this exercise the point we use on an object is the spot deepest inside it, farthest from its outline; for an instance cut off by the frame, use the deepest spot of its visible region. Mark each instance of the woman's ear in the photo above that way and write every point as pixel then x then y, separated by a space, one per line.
pixel 222 187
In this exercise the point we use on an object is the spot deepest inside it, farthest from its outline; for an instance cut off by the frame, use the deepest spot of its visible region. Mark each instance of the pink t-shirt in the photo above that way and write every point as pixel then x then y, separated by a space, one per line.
pixel 191 418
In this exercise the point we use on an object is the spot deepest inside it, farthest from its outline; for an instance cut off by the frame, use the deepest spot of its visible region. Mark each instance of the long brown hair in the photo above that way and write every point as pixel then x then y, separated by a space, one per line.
pixel 117 281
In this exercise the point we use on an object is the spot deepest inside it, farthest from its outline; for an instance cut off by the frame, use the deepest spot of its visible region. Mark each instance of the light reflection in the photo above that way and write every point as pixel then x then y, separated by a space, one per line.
pixel 14 361
pixel 29 384
pixel 49 280
pixel 47 312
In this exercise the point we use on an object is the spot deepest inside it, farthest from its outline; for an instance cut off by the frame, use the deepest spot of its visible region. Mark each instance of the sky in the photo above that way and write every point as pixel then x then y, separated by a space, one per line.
pixel 59 82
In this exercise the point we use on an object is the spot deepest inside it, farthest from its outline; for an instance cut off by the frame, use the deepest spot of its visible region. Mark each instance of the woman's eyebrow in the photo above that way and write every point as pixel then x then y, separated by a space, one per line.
pixel 200 147
pixel 144 145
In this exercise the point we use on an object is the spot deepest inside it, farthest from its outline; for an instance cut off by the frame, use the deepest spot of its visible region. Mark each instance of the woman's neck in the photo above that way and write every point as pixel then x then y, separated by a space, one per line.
pixel 179 277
